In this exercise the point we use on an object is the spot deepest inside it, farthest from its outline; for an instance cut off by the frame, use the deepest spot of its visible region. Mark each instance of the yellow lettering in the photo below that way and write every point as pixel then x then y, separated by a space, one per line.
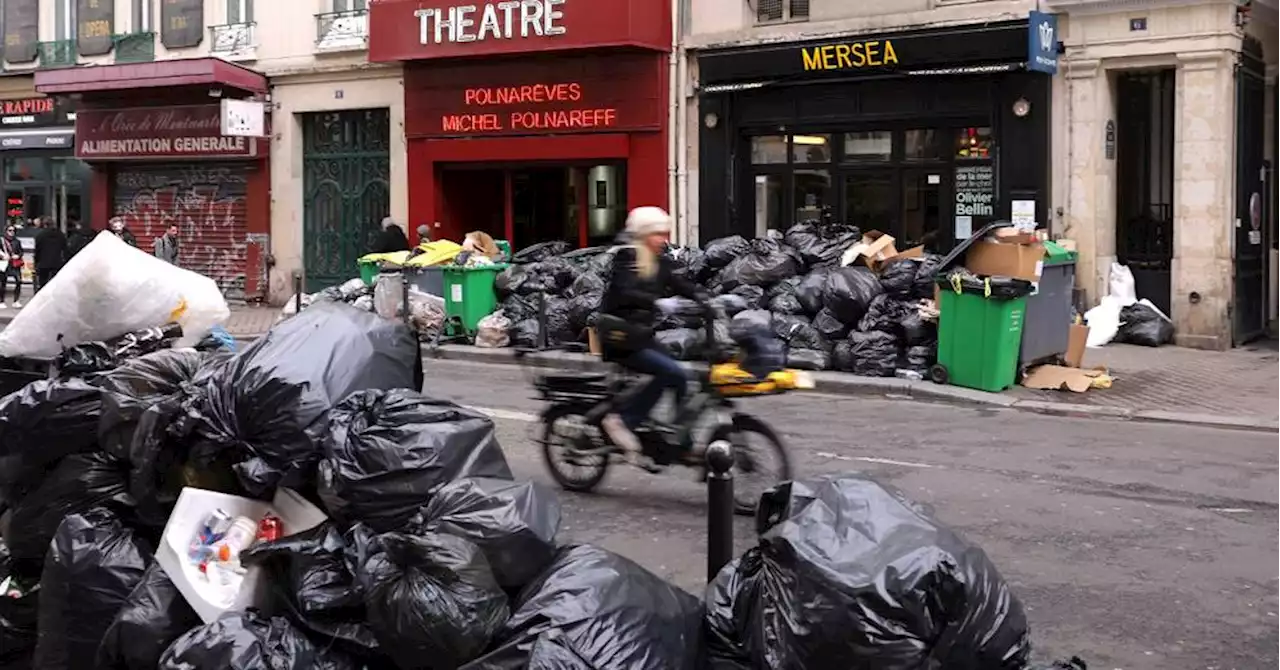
pixel 810 59
pixel 842 56
pixel 828 57
pixel 873 53
pixel 859 51
pixel 890 58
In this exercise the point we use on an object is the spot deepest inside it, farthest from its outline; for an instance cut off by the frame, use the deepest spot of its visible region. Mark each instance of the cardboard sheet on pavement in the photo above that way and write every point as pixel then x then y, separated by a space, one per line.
pixel 1059 378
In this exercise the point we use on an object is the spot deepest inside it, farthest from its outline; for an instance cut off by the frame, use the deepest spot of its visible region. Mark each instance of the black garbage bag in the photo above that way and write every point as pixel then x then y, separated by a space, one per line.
pixel 93 565
pixel 689 261
pixel 751 319
pixel 581 310
pixel 797 332
pixel 848 574
pixel 432 600
pixel 995 288
pixel 263 408
pixel 767 264
pixel 849 291
pixel 919 358
pixel 585 260
pixel 248 641
pixel 810 290
pixel 511 282
pixel 587 283
pixel 820 244
pixel 385 451
pixel 1142 325
pixel 139 384
pixel 602 611
pixel 842 356
pixel 925 272
pixel 915 329
pixel 730 304
pixel 551 277
pixel 153 616
pixel 679 313
pixel 41 424
pixel 720 253
pixel 754 295
pixel 898 277
pixel 830 327
pixel 1073 663
pixel 541 251
pixel 808 359
pixel 525 332
pixel 684 344
pixel 78 483
pixel 785 302
pixel 763 352
pixel 560 327
pixel 313 582
pixel 18 618
pixel 874 353
pixel 885 314
pixel 513 523
pixel 519 308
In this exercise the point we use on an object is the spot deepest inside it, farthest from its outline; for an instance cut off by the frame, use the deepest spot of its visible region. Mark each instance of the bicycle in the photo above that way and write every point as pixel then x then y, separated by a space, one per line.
pixel 707 416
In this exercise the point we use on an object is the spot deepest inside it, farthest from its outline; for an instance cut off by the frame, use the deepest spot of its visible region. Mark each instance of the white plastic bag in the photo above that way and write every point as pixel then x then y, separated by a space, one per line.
pixel 108 289
pixel 1104 322
pixel 494 331
pixel 1122 286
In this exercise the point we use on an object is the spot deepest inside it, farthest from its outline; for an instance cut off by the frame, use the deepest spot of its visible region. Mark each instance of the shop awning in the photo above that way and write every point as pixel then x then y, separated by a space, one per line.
pixel 211 72
pixel 37 138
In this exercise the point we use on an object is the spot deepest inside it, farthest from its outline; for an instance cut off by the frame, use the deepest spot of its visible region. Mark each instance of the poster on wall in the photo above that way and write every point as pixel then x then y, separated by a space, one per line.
pixel 95 23
pixel 181 23
pixel 21 30
pixel 975 204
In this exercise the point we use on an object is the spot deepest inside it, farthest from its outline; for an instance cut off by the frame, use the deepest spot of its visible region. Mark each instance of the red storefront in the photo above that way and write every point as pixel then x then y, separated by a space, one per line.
pixel 152 134
pixel 531 121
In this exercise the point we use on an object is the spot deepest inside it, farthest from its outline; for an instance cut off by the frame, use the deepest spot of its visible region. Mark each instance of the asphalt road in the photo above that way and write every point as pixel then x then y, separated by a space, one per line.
pixel 1132 545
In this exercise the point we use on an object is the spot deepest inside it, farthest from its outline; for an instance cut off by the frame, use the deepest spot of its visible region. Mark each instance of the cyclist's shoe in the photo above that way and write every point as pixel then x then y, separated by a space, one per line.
pixel 620 434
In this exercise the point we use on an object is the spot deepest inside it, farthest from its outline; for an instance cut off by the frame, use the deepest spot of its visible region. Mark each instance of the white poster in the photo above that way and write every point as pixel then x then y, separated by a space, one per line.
pixel 1023 214
pixel 964 227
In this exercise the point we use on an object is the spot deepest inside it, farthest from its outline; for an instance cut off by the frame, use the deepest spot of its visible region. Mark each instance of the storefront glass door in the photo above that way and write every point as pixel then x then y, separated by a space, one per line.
pixel 37 186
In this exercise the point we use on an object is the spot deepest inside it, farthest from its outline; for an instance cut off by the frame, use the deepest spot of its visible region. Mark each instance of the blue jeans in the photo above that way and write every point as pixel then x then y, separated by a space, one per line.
pixel 666 373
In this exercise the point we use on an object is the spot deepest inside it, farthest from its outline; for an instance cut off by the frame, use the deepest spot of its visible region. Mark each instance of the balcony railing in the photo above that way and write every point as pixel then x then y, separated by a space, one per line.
pixel 135 47
pixel 233 40
pixel 342 31
pixel 60 53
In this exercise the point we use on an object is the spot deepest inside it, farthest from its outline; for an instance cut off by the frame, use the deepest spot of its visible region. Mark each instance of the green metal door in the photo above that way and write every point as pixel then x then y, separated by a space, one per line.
pixel 346 170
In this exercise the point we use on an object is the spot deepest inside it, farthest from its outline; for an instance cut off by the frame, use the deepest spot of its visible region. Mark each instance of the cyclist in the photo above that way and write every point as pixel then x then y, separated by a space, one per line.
pixel 642 273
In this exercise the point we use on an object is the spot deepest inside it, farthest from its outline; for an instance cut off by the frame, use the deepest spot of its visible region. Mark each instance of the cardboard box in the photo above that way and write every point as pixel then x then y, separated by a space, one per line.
pixel 1076 338
pixel 1016 236
pixel 875 249
pixel 996 259
pixel 193 507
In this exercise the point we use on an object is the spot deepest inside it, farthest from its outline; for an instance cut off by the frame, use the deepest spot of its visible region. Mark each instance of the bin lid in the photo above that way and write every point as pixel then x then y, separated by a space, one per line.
pixel 1055 254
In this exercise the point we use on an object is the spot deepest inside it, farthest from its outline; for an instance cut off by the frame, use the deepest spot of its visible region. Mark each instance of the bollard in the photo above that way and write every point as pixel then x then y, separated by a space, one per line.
pixel 297 291
pixel 404 298
pixel 542 322
pixel 719 506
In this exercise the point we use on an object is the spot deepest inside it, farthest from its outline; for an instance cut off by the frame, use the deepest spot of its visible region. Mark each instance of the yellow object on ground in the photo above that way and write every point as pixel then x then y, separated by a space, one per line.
pixel 437 252
pixel 732 380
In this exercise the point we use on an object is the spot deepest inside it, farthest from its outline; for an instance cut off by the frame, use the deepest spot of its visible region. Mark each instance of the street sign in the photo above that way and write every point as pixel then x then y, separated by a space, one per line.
pixel 1042 43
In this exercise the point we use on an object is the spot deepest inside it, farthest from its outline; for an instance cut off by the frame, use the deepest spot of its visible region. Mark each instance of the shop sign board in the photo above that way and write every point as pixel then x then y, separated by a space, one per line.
pixel 403 30
pixel 590 95
pixel 181 23
pixel 21 30
pixel 35 113
pixel 1042 43
pixel 193 131
pixel 1000 44
pixel 95 24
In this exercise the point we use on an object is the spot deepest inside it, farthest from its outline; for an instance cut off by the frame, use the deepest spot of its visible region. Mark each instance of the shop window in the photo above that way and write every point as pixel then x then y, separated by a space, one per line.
pixel 870 200
pixel 769 150
pixel 811 148
pixel 771 11
pixel 350 5
pixel 26 169
pixel 769 203
pixel 920 144
pixel 64 20
pixel 812 193
pixel 872 145
pixel 239 11
pixel 974 143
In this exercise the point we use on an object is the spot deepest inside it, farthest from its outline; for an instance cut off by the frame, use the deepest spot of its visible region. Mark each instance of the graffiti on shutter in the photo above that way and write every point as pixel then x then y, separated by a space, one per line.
pixel 207 203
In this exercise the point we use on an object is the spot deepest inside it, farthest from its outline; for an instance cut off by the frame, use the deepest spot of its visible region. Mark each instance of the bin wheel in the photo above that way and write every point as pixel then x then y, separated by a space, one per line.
pixel 938 374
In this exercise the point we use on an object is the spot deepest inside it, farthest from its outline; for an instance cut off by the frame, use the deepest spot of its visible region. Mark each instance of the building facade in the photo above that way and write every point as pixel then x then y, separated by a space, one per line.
pixel 147 78
pixel 538 121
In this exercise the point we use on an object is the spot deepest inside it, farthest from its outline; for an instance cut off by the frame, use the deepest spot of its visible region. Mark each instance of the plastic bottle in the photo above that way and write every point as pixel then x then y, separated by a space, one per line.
pixel 238 538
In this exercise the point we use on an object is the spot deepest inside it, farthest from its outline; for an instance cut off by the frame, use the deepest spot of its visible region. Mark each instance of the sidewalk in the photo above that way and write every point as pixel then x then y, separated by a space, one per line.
pixel 1237 388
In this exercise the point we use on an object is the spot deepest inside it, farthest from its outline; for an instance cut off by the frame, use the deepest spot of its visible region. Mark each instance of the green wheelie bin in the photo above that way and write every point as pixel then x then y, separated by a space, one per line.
pixel 980 331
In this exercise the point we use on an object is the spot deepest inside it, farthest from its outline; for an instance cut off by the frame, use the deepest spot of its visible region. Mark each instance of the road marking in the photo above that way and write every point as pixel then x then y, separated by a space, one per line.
pixel 1230 510
pixel 873 459
pixel 505 414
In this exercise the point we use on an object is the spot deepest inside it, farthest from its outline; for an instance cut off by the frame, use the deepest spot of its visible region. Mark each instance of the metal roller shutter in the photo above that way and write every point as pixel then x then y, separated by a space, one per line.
pixel 206 201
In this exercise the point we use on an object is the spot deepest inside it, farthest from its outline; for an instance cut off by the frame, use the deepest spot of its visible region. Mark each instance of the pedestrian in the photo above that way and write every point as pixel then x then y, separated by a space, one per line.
pixel 424 233
pixel 122 231
pixel 79 235
pixel 51 252
pixel 391 239
pixel 166 246
pixel 11 256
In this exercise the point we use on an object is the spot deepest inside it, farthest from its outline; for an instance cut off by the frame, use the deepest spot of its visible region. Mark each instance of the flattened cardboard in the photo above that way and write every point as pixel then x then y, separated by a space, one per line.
pixel 1058 378
pixel 875 248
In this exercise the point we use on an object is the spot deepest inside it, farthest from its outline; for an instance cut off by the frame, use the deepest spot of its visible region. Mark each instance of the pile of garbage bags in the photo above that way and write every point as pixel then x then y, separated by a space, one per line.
pixel 829 317
pixel 432 555
pixel 386 298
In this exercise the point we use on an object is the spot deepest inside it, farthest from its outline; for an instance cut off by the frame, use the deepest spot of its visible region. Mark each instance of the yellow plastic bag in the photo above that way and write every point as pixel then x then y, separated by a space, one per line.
pixel 438 252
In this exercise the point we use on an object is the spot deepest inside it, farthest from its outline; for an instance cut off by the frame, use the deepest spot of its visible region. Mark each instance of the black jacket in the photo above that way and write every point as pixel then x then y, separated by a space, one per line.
pixel 51 249
pixel 77 240
pixel 632 298
pixel 391 239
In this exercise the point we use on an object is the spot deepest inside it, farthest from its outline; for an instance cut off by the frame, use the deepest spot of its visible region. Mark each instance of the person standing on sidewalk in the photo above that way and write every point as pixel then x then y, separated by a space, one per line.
pixel 11 256
pixel 166 246
pixel 79 235
pixel 51 252
pixel 121 231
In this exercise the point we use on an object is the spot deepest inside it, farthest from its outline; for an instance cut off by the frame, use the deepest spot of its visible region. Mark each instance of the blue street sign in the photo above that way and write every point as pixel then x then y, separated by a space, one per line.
pixel 1042 43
